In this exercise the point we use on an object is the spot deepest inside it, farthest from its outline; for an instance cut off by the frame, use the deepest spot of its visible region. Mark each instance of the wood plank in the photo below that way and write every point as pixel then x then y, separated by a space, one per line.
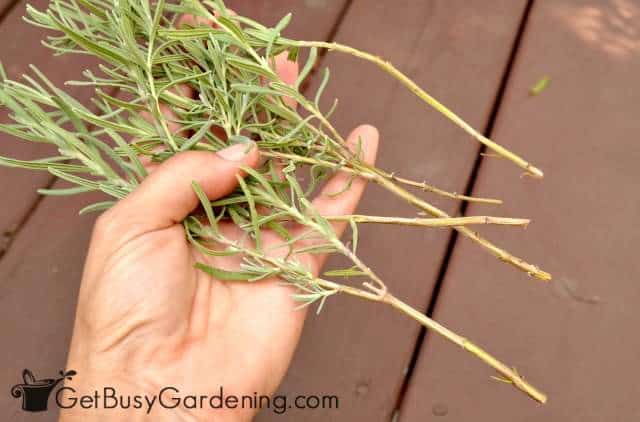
pixel 40 273
pixel 39 280
pixel 577 337
pixel 356 350
pixel 5 5
pixel 21 46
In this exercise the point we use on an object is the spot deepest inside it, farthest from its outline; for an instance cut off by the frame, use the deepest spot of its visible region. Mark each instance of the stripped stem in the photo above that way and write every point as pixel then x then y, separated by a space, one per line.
pixel 381 179
pixel 508 373
pixel 432 222
pixel 499 253
pixel 453 195
pixel 423 95
pixel 384 297
pixel 421 185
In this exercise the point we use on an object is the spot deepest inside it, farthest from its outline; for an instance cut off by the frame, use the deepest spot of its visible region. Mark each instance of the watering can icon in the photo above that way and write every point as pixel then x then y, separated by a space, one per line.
pixel 34 392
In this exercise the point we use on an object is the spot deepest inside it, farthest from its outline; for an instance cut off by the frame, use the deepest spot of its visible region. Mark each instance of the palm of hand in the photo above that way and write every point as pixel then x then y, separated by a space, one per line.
pixel 147 318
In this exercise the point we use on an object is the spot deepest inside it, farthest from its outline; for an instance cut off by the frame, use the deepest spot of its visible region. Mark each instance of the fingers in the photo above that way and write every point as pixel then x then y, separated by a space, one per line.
pixel 166 196
pixel 334 199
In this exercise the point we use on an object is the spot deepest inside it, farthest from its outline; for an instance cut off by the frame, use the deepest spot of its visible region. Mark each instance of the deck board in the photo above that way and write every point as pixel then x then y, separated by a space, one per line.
pixel 359 350
pixel 577 337
pixel 19 48
pixel 5 6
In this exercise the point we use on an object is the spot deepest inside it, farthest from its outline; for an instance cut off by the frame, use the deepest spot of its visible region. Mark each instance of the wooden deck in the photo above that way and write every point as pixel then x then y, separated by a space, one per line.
pixel 575 338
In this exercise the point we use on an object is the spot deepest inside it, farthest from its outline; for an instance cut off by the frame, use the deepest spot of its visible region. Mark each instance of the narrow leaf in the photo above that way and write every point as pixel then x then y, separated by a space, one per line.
pixel 97 207
pixel 225 275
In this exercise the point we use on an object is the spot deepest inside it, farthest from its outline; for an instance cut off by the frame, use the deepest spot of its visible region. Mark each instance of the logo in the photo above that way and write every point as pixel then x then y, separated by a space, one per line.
pixel 34 392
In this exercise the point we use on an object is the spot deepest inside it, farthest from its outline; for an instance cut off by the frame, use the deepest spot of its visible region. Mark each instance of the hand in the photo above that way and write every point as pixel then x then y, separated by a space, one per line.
pixel 147 319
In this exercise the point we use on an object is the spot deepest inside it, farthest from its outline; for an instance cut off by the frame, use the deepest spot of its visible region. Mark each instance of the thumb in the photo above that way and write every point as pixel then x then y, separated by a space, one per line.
pixel 166 196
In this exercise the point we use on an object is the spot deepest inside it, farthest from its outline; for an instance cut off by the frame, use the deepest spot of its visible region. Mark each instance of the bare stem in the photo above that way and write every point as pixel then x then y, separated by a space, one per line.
pixel 413 87
pixel 420 185
pixel 453 195
pixel 499 253
pixel 381 288
pixel 374 175
pixel 382 179
pixel 381 295
pixel 510 375
pixel 432 222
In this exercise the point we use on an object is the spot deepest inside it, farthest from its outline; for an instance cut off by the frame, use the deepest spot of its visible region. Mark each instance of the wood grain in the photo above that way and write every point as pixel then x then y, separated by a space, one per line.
pixel 5 5
pixel 575 338
pixel 20 47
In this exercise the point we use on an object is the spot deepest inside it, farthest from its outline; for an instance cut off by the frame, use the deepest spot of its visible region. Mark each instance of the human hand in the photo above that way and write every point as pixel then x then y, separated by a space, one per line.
pixel 147 319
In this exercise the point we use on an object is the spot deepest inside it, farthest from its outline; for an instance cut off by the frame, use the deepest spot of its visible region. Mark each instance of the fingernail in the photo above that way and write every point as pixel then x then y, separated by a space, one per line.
pixel 236 152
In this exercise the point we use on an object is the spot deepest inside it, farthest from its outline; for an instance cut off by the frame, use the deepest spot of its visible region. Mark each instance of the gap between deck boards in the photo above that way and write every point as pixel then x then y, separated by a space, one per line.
pixel 468 191
pixel 6 7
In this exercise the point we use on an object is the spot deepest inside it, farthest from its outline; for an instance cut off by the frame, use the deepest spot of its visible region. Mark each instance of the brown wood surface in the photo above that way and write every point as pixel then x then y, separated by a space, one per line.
pixel 5 5
pixel 576 338
pixel 357 350
pixel 40 272
pixel 20 46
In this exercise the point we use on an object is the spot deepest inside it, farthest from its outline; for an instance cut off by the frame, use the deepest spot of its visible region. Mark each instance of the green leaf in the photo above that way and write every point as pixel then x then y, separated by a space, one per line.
pixel 252 209
pixel 540 86
pixel 119 103
pixel 197 137
pixel 97 207
pixel 308 67
pixel 279 229
pixel 183 80
pixel 283 23
pixel 233 29
pixel 156 19
pixel 92 8
pixel 317 249
pixel 188 224
pixel 128 150
pixel 293 54
pixel 109 53
pixel 260 179
pixel 275 32
pixel 225 275
pixel 205 202
pixel 102 122
pixel 254 89
pixel 229 201
pixel 91 185
pixel 323 84
pixel 252 67
pixel 289 91
pixel 190 34
pixel 43 165
pixel 114 191
pixel 345 188
pixel 66 191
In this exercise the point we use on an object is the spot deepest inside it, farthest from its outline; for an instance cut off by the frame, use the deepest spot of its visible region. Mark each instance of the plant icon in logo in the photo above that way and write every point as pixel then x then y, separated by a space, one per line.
pixel 34 392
